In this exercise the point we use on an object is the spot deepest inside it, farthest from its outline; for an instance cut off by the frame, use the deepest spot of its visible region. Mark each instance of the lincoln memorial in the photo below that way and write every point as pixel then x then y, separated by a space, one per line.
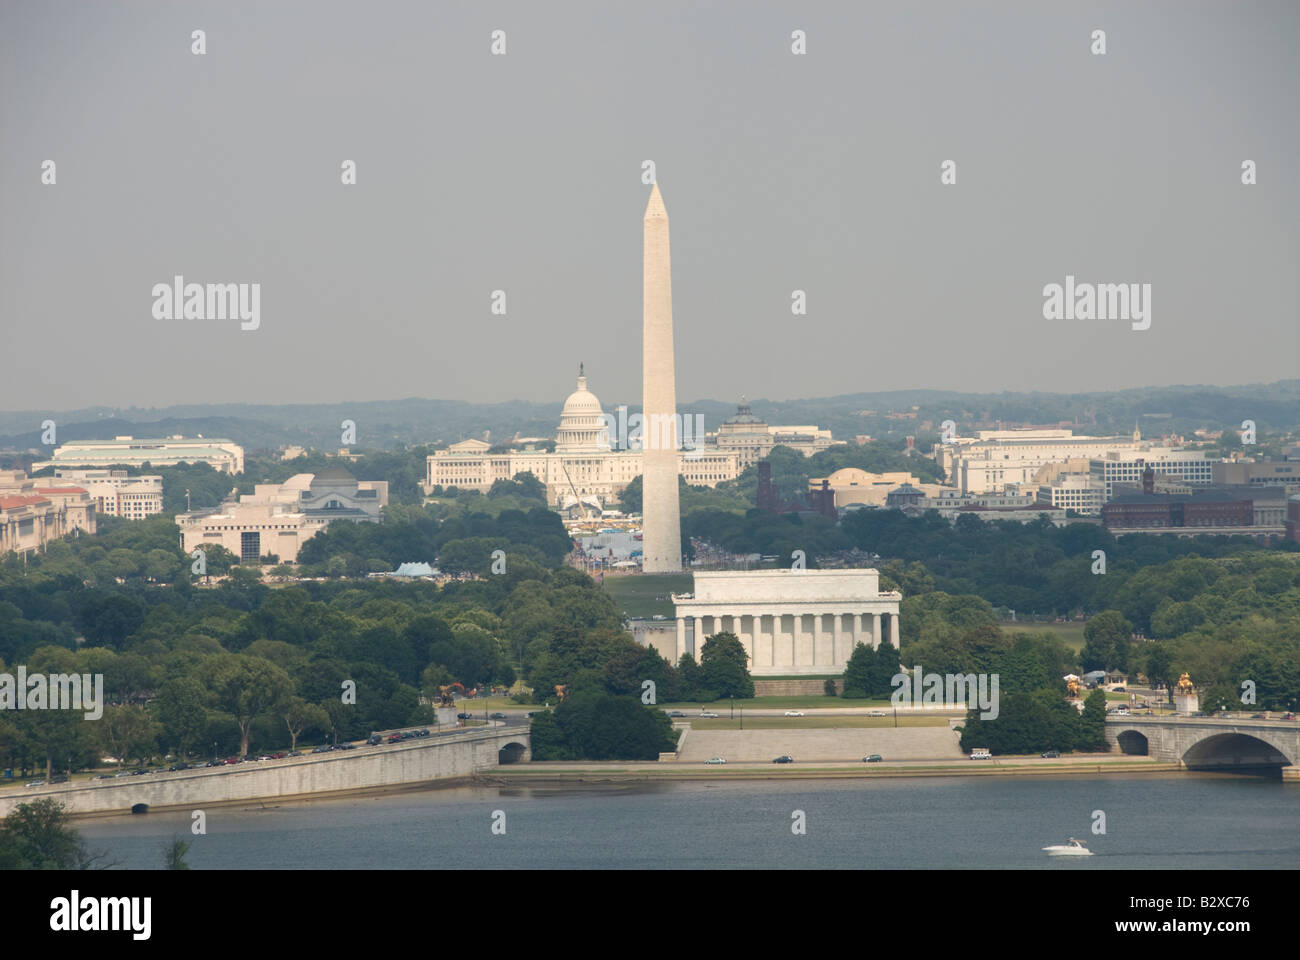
pixel 790 621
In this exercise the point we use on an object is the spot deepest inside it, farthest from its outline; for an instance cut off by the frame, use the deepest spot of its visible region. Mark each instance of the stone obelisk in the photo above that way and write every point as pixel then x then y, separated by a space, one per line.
pixel 661 535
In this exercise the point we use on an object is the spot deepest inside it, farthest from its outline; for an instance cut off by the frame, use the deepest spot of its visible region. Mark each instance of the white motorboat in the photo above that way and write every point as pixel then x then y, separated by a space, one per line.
pixel 1072 849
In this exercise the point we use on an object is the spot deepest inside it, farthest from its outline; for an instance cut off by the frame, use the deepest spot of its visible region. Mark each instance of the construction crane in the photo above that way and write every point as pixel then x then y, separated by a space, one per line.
pixel 581 506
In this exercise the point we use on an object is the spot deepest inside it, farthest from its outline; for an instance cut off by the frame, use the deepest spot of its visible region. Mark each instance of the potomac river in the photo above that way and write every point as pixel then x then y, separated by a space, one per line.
pixel 1152 821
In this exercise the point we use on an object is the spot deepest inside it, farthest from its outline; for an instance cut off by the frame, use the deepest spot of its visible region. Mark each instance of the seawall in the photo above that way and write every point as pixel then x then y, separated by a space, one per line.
pixel 412 762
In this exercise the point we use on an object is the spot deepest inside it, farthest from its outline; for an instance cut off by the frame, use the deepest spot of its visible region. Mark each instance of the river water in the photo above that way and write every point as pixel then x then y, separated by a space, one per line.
pixel 1176 821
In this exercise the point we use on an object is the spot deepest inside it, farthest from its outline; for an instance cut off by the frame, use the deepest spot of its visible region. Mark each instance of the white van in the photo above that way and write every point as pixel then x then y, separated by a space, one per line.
pixel 981 753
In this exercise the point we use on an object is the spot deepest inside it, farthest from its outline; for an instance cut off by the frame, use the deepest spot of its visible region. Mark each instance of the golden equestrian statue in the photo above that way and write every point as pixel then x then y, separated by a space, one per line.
pixel 1185 684
pixel 561 691
pixel 1073 686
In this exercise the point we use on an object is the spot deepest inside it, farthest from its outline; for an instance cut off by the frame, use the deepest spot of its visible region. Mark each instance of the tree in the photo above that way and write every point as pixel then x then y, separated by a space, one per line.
pixel 630 496
pixel 548 741
pixel 299 715
pixel 1092 722
pixel 174 854
pixel 127 733
pixel 1106 642
pixel 1221 696
pixel 724 666
pixel 1160 668
pixel 109 618
pixel 883 668
pixel 690 683
pixel 38 836
pixel 433 678
pixel 857 673
pixel 600 726
pixel 245 687
pixel 58 736
pixel 343 717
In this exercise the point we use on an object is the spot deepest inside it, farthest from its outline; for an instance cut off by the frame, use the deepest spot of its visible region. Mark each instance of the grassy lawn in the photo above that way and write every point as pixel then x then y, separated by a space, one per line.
pixel 491 705
pixel 811 723
pixel 779 703
pixel 638 595
pixel 1070 633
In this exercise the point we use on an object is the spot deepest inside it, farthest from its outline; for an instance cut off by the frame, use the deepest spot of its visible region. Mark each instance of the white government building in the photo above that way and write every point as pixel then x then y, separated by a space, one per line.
pixel 277 518
pixel 583 467
pixel 221 454
pixel 117 494
pixel 790 621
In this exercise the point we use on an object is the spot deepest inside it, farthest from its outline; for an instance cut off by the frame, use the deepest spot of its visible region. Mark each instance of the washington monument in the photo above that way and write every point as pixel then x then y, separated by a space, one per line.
pixel 661 534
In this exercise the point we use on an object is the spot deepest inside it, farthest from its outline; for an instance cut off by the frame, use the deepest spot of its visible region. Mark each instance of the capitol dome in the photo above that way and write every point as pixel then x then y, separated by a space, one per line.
pixel 582 427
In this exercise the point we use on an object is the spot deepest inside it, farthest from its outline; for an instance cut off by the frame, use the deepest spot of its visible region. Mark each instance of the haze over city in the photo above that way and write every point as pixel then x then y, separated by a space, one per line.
pixel 523 173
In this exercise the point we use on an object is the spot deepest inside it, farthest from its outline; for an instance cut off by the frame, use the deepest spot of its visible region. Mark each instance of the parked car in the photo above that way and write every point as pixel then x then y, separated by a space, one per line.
pixel 497 716
pixel 35 783
pixel 375 740
pixel 715 760
pixel 1288 716
pixel 394 737
pixel 323 748
pixel 981 753
pixel 59 779
pixel 671 713
pixel 104 776
pixel 462 716
pixel 1118 690
pixel 345 746
pixel 784 759
pixel 794 713
pixel 1051 754
pixel 182 765
pixel 421 733
pixel 708 715
pixel 877 713
pixel 1259 716
pixel 874 758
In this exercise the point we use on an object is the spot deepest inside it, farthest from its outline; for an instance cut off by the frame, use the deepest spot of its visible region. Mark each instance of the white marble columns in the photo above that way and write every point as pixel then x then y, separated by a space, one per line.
pixel 783 641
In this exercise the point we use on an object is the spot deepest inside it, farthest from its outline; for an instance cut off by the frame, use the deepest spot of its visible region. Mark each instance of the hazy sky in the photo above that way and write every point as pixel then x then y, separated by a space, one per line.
pixel 522 172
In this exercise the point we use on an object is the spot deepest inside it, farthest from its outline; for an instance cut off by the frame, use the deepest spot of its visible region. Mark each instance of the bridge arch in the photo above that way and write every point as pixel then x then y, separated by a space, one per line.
pixel 1234 750
pixel 512 752
pixel 1133 742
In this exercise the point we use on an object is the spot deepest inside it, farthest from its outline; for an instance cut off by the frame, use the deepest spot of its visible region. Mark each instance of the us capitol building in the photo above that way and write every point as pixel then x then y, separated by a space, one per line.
pixel 585 467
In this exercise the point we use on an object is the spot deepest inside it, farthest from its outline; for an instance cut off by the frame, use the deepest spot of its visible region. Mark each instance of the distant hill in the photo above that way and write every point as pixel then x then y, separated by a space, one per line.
pixel 1274 407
